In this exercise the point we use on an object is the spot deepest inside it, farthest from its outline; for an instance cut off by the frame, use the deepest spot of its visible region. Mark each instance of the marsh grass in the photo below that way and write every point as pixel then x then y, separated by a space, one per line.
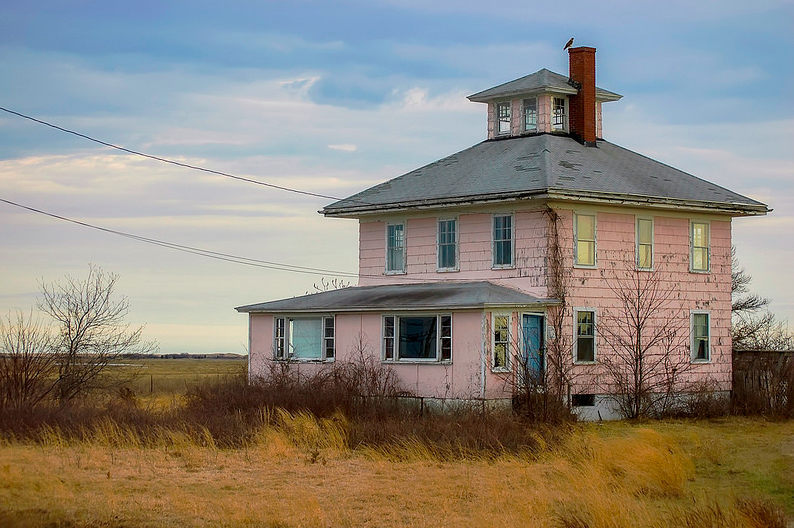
pixel 229 453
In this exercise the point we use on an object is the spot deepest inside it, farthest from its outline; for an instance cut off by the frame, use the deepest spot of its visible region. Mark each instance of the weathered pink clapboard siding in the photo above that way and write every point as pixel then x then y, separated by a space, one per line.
pixel 474 251
pixel 361 333
pixel 590 288
pixel 517 116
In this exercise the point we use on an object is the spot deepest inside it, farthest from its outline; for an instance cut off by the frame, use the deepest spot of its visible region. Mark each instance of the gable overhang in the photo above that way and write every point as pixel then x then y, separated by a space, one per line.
pixel 413 309
pixel 602 96
pixel 594 197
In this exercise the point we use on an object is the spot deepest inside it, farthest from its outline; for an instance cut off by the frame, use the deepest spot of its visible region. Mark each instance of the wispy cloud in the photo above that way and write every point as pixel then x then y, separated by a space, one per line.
pixel 344 147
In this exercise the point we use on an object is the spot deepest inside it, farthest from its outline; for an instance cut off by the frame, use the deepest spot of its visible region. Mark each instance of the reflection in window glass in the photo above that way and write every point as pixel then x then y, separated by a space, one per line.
pixel 644 243
pixel 501 341
pixel 447 244
pixel 700 246
pixel 395 247
pixel 503 240
pixel 503 120
pixel 584 230
pixel 585 336
pixel 700 336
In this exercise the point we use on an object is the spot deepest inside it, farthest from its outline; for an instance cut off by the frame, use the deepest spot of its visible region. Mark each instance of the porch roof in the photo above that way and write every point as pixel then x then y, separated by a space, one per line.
pixel 403 297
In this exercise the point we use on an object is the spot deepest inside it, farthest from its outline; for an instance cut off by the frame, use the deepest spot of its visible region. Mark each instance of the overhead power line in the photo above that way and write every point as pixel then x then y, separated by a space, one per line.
pixel 228 257
pixel 171 161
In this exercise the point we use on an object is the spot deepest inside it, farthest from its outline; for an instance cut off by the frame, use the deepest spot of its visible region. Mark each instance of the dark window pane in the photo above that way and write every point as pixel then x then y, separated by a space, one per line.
pixel 585 350
pixel 418 337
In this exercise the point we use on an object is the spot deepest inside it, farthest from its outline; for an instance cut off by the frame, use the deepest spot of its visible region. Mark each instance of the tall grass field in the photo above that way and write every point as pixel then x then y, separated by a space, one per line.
pixel 210 457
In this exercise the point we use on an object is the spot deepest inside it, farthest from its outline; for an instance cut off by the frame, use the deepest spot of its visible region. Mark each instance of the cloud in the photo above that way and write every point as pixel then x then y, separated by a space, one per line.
pixel 344 147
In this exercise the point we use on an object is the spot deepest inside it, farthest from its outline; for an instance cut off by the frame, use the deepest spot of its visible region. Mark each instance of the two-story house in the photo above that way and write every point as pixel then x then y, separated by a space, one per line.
pixel 463 261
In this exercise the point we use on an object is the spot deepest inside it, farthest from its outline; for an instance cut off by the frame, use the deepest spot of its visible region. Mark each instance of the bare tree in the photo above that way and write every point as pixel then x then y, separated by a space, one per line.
pixel 27 362
pixel 91 328
pixel 753 326
pixel 647 343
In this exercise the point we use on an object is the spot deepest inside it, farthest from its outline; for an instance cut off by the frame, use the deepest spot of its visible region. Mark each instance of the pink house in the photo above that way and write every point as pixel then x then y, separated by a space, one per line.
pixel 526 261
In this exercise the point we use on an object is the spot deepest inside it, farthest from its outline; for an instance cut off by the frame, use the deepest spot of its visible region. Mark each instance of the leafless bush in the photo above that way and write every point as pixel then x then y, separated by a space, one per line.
pixel 27 362
pixel 647 343
pixel 92 332
pixel 763 383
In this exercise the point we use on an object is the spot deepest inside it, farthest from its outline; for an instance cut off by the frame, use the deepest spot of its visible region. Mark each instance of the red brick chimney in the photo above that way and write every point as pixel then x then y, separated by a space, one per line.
pixel 582 107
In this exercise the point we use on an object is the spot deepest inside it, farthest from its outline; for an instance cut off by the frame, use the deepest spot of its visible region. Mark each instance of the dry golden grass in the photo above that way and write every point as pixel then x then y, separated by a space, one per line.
pixel 298 472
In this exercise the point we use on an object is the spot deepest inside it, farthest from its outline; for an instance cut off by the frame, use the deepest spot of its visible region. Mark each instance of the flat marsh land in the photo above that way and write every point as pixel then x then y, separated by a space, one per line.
pixel 300 471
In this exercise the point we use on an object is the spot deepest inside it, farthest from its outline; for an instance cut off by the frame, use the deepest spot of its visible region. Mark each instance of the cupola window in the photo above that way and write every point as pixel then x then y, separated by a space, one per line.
pixel 503 118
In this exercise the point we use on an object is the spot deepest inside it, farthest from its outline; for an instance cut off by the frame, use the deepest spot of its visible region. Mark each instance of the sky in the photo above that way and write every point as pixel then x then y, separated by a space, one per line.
pixel 333 97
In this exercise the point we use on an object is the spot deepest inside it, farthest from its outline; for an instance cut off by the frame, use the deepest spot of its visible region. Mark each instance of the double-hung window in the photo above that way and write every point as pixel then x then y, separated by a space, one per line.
pixel 701 336
pixel 558 119
pixel 644 243
pixel 585 345
pixel 447 244
pixel 304 338
pixel 699 246
pixel 503 241
pixel 584 230
pixel 417 337
pixel 503 118
pixel 500 359
pixel 531 115
pixel 395 248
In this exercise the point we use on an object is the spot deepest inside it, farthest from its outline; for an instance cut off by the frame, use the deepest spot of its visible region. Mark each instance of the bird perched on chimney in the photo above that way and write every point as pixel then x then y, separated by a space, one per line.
pixel 568 44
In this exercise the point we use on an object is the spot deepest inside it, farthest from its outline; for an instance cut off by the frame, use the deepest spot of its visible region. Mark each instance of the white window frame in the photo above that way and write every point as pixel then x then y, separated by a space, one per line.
pixel 637 242
pixel 402 270
pixel 692 246
pixel 524 128
pixel 692 344
pixel 497 129
pixel 396 350
pixel 512 264
pixel 287 355
pixel 456 267
pixel 565 117
pixel 508 358
pixel 576 335
pixel 576 263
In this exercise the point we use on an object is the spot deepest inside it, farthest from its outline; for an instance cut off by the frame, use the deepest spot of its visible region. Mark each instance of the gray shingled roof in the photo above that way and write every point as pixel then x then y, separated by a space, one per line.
pixel 544 165
pixel 541 81
pixel 396 297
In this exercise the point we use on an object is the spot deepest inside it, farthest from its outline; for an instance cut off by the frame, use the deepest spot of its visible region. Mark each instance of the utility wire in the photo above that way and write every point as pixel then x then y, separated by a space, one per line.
pixel 279 266
pixel 171 161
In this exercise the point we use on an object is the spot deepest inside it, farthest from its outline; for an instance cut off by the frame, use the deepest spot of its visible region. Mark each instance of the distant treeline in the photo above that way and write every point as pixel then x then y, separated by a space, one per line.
pixel 185 356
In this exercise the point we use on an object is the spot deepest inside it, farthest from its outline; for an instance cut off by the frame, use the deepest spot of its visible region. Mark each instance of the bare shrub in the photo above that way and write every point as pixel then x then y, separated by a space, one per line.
pixel 27 363
pixel 647 342
pixel 763 383
pixel 92 332
pixel 702 400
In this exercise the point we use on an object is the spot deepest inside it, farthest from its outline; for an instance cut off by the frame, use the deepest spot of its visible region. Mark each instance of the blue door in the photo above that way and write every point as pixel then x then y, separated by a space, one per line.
pixel 532 327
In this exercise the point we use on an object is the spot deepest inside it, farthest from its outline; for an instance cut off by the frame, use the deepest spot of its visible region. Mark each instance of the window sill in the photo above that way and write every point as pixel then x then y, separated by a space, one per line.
pixel 303 360
pixel 416 362
pixel 700 272
pixel 595 362
pixel 447 270
pixel 396 272
pixel 504 267
pixel 585 266
pixel 700 361
pixel 501 370
pixel 647 270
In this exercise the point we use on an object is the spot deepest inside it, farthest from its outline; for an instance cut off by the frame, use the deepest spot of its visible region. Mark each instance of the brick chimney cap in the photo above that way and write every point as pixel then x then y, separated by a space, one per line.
pixel 582 49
